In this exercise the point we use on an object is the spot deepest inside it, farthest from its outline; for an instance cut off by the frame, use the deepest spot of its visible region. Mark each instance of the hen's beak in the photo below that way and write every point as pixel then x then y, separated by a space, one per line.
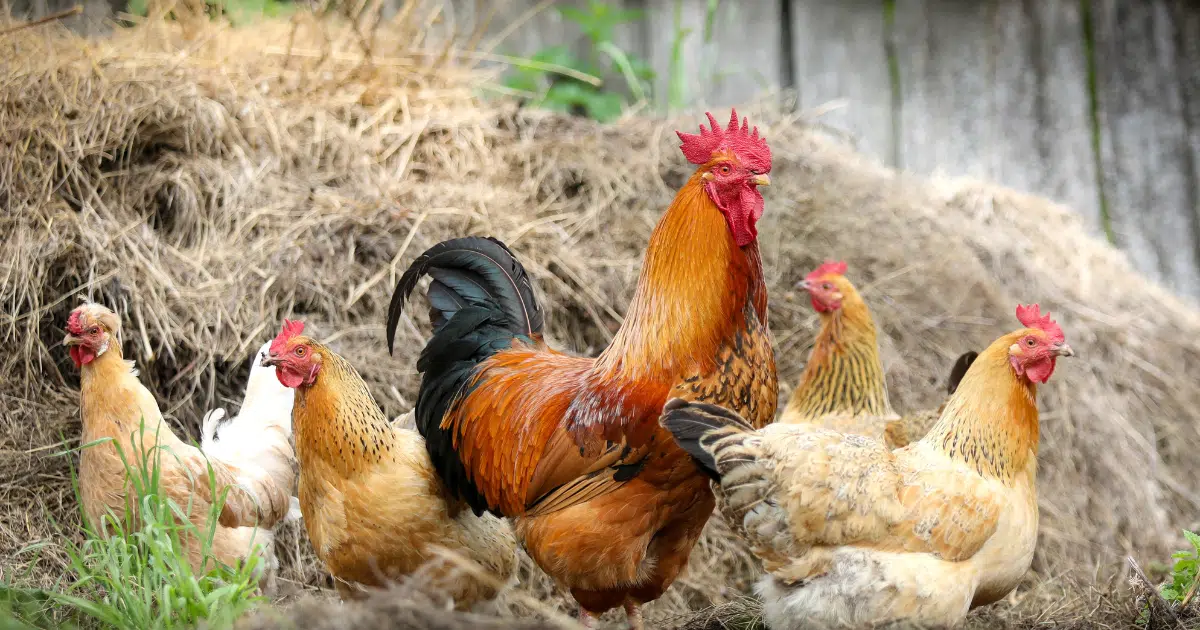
pixel 1063 350
pixel 803 285
pixel 760 180
pixel 269 360
pixel 72 340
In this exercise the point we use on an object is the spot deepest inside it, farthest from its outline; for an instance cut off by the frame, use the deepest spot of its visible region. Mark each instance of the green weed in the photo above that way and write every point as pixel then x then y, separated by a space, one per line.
pixel 132 571
pixel 597 22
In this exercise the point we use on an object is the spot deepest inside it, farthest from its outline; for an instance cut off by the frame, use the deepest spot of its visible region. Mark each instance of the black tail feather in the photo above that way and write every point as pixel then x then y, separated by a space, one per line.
pixel 480 300
pixel 477 271
pixel 693 426
pixel 960 370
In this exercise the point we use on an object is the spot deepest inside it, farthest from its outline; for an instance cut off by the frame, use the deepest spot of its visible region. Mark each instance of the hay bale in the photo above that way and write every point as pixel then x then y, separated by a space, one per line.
pixel 208 186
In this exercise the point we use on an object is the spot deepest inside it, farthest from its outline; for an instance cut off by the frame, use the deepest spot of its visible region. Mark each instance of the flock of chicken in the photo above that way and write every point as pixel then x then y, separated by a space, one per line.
pixel 605 470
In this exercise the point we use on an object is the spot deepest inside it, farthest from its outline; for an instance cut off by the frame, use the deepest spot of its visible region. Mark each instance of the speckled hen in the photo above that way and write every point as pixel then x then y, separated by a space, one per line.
pixel 372 503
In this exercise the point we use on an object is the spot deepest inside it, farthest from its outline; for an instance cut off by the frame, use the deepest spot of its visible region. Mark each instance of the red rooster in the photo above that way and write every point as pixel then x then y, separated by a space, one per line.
pixel 603 499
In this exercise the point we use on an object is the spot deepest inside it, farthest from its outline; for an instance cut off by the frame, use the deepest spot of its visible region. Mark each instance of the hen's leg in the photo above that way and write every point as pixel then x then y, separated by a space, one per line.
pixel 586 619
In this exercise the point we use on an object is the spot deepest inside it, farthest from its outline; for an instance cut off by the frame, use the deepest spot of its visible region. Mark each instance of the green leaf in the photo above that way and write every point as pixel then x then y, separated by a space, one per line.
pixel 605 106
pixel 1193 538
pixel 641 69
pixel 564 95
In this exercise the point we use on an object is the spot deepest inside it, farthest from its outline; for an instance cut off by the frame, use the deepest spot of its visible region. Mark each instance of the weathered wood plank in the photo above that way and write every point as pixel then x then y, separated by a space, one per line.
pixel 942 59
pixel 1041 102
pixel 839 52
pixel 1146 152
pixel 743 57
pixel 998 90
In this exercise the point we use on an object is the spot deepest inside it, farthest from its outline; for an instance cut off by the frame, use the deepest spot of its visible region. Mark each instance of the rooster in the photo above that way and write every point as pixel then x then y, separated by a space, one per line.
pixel 852 533
pixel 843 386
pixel 116 407
pixel 570 447
pixel 373 505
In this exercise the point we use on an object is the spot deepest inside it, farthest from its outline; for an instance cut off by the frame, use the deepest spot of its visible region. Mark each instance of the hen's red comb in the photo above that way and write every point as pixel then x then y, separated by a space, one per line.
pixel 74 325
pixel 290 329
pixel 827 268
pixel 743 141
pixel 1031 317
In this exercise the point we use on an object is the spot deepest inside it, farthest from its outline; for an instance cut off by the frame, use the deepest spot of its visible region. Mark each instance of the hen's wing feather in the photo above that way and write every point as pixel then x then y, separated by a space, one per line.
pixel 792 488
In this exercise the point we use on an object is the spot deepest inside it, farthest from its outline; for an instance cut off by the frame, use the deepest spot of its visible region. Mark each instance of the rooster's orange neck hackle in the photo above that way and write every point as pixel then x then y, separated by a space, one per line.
pixel 702 271
pixel 844 373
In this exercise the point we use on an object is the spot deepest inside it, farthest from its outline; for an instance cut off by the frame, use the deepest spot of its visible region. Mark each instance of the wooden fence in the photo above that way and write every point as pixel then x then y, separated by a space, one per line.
pixel 1094 103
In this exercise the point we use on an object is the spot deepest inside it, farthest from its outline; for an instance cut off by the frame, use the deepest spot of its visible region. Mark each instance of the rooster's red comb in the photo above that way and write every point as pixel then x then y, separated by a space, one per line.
pixel 1031 317
pixel 290 329
pixel 743 141
pixel 829 267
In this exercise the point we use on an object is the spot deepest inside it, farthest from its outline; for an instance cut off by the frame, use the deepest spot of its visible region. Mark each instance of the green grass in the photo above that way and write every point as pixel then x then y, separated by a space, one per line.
pixel 133 572
pixel 1185 574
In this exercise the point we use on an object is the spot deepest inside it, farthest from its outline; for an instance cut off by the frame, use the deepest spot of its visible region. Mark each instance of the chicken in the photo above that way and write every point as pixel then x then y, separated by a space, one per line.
pixel 852 533
pixel 115 405
pixel 570 447
pixel 261 434
pixel 373 504
pixel 843 386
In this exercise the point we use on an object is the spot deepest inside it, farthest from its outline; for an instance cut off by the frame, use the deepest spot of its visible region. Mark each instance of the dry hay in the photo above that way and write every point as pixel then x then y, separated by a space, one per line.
pixel 206 184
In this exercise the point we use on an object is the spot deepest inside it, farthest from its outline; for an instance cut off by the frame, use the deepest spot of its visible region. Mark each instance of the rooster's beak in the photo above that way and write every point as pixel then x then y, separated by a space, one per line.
pixel 760 180
pixel 1063 350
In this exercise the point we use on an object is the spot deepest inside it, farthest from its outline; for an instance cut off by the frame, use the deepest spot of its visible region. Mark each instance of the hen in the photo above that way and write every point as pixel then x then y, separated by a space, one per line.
pixel 843 386
pixel 570 447
pixel 115 405
pixel 851 533
pixel 373 505
pixel 260 435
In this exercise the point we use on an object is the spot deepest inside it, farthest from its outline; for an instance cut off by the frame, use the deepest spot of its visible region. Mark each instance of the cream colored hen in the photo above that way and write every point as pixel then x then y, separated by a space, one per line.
pixel 851 533
pixel 117 407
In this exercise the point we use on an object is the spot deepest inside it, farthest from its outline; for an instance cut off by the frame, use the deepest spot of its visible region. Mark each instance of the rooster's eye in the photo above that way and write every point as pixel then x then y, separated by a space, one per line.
pixel 725 169
pixel 300 351
pixel 1030 342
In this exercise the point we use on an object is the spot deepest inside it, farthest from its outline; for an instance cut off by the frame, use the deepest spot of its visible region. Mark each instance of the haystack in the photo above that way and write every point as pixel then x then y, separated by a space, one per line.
pixel 207 182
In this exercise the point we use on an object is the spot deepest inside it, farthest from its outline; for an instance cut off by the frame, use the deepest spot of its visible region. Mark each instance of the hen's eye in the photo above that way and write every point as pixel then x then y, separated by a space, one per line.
pixel 725 169
pixel 94 330
pixel 300 351
pixel 827 286
pixel 1030 342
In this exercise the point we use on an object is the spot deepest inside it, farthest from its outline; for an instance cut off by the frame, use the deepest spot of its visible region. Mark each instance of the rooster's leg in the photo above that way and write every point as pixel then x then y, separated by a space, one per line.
pixel 633 612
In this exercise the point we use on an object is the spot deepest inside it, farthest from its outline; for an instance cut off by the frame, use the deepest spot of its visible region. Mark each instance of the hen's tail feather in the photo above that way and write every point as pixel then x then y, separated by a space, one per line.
pixel 470 271
pixel 480 301
pixel 705 432
pixel 960 370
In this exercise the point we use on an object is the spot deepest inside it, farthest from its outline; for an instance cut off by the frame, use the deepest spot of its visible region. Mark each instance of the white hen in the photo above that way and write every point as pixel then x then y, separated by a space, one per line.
pixel 258 438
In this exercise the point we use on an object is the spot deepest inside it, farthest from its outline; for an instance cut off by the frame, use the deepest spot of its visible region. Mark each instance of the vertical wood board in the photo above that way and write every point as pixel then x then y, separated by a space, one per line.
pixel 839 52
pixel 743 57
pixel 1145 147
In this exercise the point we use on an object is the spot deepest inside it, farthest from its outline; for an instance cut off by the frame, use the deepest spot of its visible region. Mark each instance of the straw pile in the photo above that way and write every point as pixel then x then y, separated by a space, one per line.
pixel 207 183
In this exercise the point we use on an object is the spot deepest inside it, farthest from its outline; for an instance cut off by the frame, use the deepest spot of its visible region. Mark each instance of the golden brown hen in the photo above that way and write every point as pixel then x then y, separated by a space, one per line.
pixel 373 505
pixel 843 386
